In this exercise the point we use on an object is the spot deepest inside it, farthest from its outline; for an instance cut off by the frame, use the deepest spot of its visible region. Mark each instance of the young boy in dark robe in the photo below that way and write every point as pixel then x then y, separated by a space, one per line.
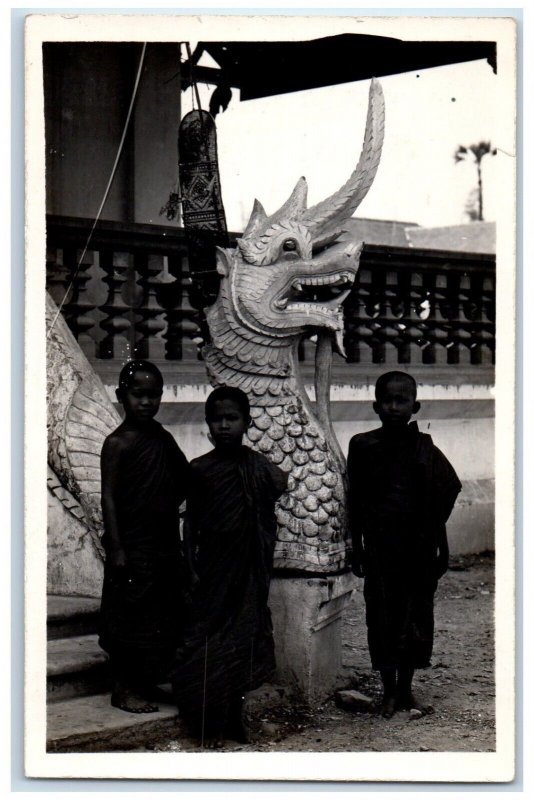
pixel 229 538
pixel 402 490
pixel 144 480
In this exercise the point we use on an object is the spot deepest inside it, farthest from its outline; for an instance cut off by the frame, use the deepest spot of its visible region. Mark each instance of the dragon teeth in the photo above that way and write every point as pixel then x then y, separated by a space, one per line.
pixel 310 306
pixel 323 280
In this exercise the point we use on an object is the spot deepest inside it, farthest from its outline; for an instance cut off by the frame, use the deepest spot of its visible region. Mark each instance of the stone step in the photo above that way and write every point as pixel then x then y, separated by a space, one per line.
pixel 92 724
pixel 71 616
pixel 76 666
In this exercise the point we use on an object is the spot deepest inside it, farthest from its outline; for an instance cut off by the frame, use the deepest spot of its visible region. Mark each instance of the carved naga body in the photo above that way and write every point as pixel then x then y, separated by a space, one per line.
pixel 288 278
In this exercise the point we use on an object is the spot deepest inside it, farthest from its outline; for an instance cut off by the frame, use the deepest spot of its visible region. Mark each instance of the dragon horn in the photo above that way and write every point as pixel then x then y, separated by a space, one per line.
pixel 257 218
pixel 343 203
pixel 292 209
pixel 295 205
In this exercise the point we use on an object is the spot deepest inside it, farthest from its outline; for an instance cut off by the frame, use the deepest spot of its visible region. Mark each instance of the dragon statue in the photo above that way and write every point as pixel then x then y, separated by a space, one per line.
pixel 286 279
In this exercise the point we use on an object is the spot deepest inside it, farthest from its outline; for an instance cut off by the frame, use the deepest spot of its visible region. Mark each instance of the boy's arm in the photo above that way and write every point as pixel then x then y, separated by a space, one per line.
pixel 183 472
pixel 277 479
pixel 109 467
pixel 357 541
pixel 189 541
pixel 446 487
pixel 442 561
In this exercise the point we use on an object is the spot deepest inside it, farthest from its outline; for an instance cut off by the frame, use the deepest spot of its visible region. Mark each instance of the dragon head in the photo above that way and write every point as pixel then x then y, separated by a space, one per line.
pixel 289 273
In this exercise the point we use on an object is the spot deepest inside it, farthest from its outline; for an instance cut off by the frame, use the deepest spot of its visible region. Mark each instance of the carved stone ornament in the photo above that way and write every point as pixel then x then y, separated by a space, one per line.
pixel 287 278
pixel 80 416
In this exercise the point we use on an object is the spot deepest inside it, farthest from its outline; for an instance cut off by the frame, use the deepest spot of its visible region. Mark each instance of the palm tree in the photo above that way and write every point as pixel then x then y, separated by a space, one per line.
pixel 476 152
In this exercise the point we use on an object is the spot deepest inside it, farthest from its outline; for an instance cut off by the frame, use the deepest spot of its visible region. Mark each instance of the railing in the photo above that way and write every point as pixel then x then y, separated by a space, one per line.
pixel 132 296
pixel 421 307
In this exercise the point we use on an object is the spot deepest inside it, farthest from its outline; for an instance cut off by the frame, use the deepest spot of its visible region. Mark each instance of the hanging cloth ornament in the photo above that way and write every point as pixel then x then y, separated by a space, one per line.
pixel 202 207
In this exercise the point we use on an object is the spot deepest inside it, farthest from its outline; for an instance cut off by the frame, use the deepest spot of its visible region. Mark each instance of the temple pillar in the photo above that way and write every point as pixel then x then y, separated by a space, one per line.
pixel 307 617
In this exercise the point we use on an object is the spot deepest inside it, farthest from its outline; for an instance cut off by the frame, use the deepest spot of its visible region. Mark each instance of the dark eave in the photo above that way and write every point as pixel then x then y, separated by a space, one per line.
pixel 262 69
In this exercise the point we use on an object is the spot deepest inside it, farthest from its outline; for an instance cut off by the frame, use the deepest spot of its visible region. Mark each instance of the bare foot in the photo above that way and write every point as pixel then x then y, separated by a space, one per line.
pixel 213 743
pixel 127 700
pixel 408 702
pixel 237 729
pixel 387 709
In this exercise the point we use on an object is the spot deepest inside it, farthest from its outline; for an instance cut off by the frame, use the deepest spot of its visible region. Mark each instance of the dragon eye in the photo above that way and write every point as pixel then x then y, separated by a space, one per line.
pixel 289 246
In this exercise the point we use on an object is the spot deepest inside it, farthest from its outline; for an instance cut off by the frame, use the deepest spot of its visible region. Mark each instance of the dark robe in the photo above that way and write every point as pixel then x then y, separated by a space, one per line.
pixel 142 606
pixel 229 647
pixel 402 490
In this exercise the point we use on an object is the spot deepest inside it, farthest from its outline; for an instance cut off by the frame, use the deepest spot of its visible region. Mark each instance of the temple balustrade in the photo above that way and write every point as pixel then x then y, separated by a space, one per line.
pixel 130 295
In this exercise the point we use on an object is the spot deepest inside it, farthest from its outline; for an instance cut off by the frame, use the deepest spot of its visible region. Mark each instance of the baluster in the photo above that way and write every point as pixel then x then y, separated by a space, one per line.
pixel 118 343
pixel 118 322
pixel 428 349
pixel 402 311
pixel 463 333
pixel 450 309
pixel 488 298
pixel 168 295
pixel 390 330
pixel 412 333
pixel 374 308
pixel 473 312
pixel 437 324
pixel 57 276
pixel 487 355
pixel 487 346
pixel 464 350
pixel 358 334
pixel 182 319
pixel 190 320
pixel 151 325
pixel 350 318
pixel 78 309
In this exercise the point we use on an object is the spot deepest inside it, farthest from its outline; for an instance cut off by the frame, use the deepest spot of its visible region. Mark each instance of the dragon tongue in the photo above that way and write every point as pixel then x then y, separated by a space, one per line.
pixel 339 344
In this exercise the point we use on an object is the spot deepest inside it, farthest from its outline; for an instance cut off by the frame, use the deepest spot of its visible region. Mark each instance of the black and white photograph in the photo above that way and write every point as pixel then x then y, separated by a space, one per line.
pixel 269 361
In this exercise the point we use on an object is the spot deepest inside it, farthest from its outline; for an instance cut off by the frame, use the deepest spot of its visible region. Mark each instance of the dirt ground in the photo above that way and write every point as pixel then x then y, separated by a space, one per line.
pixel 460 684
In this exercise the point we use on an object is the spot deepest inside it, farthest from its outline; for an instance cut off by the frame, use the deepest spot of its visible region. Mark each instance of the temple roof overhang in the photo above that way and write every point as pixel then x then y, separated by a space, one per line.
pixel 263 68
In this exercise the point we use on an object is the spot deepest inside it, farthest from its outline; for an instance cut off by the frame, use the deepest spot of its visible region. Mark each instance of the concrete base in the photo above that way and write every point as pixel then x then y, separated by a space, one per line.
pixel 471 527
pixel 306 616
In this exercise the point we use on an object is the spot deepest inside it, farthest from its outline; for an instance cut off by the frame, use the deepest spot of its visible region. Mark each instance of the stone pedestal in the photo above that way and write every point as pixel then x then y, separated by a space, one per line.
pixel 306 616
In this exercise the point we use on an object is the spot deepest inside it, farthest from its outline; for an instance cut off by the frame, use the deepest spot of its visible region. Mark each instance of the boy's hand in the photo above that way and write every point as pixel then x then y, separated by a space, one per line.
pixel 358 565
pixel 442 564
pixel 117 558
pixel 192 581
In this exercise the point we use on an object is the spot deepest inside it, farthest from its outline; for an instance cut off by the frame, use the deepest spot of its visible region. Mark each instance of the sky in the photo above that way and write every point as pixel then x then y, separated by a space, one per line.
pixel 265 145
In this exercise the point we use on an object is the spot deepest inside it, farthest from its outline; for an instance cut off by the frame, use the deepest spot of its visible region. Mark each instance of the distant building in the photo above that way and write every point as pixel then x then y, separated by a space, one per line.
pixel 475 237
pixel 379 231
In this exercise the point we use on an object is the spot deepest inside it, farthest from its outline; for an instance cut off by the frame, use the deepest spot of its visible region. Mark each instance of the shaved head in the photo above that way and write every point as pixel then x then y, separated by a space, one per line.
pixel 398 377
